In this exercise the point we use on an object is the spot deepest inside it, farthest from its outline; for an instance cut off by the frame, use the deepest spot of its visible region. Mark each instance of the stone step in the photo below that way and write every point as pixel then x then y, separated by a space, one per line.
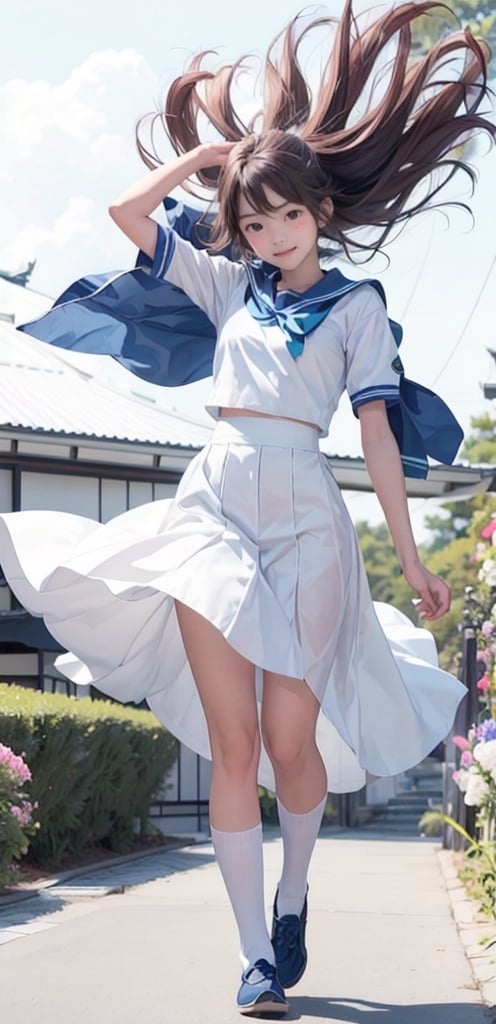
pixel 430 765
pixel 430 777
pixel 412 805
pixel 421 791
pixel 401 816
pixel 389 828
pixel 414 798
pixel 425 791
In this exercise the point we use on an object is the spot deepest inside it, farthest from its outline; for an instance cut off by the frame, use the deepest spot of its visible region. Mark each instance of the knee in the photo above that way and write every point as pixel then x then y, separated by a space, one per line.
pixel 286 751
pixel 236 754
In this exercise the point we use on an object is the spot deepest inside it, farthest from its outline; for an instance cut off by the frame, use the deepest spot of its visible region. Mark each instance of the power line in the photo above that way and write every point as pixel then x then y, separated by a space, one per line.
pixel 420 272
pixel 467 321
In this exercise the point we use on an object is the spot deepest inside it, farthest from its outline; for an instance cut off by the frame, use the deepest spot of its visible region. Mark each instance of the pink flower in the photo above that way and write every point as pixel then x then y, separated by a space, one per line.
pixel 24 813
pixel 466 759
pixel 483 685
pixel 488 529
pixel 461 742
pixel 487 628
pixel 14 764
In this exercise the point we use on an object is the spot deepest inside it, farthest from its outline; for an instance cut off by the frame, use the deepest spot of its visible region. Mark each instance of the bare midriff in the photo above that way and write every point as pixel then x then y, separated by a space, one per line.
pixel 227 412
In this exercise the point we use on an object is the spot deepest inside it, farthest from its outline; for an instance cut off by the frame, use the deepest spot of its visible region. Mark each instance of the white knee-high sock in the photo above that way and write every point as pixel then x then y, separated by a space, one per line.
pixel 299 834
pixel 240 859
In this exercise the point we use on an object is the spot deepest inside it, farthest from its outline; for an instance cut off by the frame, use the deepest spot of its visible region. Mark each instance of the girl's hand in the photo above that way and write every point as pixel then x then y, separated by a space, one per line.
pixel 213 154
pixel 133 208
pixel 434 595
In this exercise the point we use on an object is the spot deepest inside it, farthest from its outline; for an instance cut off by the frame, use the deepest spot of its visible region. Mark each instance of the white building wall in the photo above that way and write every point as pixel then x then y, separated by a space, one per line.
pixel 62 493
pixel 114 493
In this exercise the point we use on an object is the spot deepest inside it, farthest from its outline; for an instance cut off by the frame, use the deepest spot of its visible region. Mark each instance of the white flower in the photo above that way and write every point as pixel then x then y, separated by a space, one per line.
pixel 485 755
pixel 488 572
pixel 461 779
pixel 477 789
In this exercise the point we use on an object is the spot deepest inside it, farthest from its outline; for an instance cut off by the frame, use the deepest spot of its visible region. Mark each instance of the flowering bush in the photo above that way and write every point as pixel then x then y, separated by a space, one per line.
pixel 16 813
pixel 480 612
pixel 476 776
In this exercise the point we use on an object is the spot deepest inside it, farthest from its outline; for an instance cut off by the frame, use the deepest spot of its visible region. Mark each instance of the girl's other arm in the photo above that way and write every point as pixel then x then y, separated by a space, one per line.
pixel 385 469
pixel 131 211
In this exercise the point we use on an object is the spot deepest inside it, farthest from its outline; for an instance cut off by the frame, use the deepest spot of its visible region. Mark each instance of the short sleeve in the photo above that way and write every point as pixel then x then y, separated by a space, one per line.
pixel 207 280
pixel 373 366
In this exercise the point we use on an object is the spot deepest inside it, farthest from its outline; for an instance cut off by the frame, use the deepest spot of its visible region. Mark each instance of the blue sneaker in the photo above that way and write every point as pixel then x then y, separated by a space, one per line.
pixel 288 941
pixel 260 993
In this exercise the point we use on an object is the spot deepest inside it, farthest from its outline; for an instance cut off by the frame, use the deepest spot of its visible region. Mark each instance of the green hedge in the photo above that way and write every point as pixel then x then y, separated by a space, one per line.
pixel 96 765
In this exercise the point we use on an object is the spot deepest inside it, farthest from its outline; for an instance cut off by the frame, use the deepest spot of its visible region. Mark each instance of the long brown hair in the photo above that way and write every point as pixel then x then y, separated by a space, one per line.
pixel 369 165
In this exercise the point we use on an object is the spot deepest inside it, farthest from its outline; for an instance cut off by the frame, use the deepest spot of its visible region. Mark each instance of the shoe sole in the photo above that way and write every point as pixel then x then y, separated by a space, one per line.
pixel 265 1007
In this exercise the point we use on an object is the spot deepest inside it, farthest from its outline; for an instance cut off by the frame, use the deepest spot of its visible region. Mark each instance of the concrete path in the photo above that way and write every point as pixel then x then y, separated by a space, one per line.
pixel 382 942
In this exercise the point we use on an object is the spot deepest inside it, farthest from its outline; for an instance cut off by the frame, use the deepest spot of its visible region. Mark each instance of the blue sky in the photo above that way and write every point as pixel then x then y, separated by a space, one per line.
pixel 72 84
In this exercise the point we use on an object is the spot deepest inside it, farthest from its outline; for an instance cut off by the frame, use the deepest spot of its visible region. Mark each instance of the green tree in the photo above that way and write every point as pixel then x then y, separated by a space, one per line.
pixel 456 517
pixel 386 580
pixel 455 533
pixel 478 15
pixel 454 564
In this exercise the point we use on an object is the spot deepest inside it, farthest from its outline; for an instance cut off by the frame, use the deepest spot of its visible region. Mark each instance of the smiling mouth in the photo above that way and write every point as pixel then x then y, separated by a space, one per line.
pixel 285 252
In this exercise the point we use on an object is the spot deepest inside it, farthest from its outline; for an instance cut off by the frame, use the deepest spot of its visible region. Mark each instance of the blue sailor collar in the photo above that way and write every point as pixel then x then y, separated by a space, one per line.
pixel 153 329
pixel 298 314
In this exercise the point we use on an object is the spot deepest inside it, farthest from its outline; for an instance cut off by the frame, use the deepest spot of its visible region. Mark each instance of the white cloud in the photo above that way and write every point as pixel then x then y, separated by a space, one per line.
pixel 68 151
pixel 74 224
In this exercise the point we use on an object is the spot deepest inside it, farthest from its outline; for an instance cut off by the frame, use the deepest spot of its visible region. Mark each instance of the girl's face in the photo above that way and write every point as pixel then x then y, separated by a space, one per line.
pixel 285 237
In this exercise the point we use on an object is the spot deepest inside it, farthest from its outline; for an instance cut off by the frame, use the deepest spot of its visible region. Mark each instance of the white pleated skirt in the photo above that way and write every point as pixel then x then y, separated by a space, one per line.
pixel 259 542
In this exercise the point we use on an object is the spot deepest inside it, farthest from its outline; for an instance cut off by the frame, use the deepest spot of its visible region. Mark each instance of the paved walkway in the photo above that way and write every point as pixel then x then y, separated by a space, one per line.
pixel 161 948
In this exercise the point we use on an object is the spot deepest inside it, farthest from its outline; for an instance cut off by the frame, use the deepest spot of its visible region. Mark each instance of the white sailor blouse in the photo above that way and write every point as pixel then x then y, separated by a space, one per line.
pixel 186 315
pixel 253 368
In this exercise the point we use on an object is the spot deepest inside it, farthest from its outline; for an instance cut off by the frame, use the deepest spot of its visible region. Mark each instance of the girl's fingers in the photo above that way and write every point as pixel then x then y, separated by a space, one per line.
pixel 434 601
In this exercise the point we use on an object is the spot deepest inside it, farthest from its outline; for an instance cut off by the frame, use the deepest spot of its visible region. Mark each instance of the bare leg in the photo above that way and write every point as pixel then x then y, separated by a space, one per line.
pixel 289 718
pixel 226 686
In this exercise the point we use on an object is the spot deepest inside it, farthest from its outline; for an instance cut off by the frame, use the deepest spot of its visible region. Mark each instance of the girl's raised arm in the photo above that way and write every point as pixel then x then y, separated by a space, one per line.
pixel 131 211
pixel 383 462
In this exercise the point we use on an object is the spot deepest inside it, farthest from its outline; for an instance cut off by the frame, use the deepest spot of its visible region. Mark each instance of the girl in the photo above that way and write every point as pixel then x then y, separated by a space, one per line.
pixel 241 609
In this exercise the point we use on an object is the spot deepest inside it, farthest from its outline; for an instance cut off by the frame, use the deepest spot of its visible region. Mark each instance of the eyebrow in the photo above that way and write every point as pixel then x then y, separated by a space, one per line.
pixel 258 213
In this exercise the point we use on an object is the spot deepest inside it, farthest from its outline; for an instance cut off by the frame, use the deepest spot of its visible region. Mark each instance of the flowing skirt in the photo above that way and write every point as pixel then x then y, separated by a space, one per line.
pixel 259 542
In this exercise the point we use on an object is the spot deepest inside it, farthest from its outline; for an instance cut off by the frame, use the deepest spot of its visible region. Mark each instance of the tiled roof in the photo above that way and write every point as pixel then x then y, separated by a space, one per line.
pixel 21 304
pixel 41 390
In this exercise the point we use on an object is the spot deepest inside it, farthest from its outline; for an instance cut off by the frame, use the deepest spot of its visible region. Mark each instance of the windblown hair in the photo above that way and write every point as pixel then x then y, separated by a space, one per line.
pixel 369 164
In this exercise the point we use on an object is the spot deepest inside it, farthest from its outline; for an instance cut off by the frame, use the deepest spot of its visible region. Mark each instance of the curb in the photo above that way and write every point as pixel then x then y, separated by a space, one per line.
pixel 32 890
pixel 477 933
